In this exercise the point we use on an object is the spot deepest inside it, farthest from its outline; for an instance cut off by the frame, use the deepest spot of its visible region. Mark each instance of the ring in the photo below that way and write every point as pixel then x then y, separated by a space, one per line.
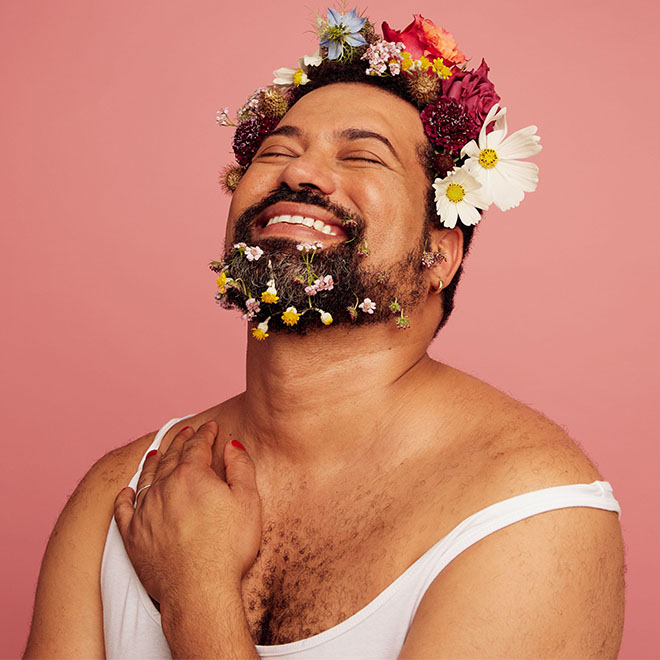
pixel 140 490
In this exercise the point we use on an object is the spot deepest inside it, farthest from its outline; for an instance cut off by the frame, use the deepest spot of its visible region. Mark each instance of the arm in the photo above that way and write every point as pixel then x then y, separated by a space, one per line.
pixel 67 620
pixel 548 586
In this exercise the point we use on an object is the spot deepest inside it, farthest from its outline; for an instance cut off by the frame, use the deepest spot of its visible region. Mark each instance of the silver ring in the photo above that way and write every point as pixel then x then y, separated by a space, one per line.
pixel 140 490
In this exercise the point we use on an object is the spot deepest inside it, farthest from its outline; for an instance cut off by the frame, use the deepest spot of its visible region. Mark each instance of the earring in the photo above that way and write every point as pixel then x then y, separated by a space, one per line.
pixel 440 285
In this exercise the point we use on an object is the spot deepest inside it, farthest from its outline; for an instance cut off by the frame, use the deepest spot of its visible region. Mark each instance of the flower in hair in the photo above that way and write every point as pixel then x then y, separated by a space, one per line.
pixel 249 135
pixel 342 30
pixel 448 125
pixel 253 253
pixel 270 294
pixel 458 196
pixel 286 77
pixel 422 37
pixel 494 161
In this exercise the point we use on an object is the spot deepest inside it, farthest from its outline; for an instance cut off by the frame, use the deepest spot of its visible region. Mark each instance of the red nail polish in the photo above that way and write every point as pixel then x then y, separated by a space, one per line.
pixel 238 445
pixel 151 453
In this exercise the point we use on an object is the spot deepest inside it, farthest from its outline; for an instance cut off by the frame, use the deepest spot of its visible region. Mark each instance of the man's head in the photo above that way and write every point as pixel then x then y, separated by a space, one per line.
pixel 384 161
pixel 344 152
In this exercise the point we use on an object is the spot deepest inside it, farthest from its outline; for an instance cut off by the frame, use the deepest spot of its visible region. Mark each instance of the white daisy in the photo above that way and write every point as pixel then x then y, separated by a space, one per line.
pixel 287 77
pixel 459 195
pixel 494 161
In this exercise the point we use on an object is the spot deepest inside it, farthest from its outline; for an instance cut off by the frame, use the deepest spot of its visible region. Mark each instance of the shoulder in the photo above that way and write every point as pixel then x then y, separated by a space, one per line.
pixel 548 585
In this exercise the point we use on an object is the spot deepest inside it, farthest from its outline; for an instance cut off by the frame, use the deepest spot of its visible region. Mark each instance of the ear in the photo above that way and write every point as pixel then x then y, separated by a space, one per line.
pixel 449 244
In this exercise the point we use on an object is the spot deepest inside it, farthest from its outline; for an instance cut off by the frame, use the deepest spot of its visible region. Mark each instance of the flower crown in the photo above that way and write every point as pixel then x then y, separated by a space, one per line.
pixel 475 164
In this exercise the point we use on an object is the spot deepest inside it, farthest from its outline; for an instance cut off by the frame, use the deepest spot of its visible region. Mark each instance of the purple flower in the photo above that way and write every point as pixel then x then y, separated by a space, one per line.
pixel 448 125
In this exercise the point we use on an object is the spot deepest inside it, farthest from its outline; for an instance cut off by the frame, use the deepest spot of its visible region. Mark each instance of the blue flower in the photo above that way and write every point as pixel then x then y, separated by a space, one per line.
pixel 342 30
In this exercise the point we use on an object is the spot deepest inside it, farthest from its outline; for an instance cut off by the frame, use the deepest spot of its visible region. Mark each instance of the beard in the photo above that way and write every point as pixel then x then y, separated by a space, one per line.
pixel 392 290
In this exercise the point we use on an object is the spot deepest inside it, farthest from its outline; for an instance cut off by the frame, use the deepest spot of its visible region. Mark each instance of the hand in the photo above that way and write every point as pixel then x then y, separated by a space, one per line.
pixel 191 531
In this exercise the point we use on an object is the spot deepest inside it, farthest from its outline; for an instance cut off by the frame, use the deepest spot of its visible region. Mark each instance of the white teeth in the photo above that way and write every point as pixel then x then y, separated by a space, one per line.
pixel 318 225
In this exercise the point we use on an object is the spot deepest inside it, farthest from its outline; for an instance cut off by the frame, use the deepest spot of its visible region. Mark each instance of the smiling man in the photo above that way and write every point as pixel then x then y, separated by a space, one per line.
pixel 358 500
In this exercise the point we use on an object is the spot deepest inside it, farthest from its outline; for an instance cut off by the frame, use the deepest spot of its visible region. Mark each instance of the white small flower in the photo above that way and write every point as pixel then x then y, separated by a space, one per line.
pixel 367 306
pixel 287 77
pixel 494 161
pixel 239 246
pixel 222 117
pixel 326 317
pixel 253 253
pixel 458 195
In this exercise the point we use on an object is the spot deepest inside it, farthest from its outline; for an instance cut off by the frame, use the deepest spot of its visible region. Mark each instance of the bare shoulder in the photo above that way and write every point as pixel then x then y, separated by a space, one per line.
pixel 550 585
pixel 514 447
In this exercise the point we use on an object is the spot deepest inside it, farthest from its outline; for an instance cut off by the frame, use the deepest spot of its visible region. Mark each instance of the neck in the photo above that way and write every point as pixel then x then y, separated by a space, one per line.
pixel 332 398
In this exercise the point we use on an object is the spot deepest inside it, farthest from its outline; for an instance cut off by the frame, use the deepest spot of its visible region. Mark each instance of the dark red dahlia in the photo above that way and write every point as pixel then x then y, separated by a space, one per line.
pixel 448 125
pixel 249 134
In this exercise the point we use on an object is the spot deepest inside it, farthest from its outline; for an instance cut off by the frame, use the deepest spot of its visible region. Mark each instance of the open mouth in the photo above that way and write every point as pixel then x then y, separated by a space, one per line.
pixel 300 222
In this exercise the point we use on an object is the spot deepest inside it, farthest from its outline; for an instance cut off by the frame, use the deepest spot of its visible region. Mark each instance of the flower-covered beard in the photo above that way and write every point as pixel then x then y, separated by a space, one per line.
pixel 284 285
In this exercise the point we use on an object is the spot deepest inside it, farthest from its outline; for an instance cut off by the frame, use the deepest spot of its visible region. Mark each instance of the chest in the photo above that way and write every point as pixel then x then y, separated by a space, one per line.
pixel 315 570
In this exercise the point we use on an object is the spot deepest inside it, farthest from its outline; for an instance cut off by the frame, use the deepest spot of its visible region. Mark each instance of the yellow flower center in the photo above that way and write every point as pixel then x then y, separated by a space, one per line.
pixel 259 334
pixel 455 192
pixel 269 297
pixel 221 282
pixel 297 77
pixel 488 158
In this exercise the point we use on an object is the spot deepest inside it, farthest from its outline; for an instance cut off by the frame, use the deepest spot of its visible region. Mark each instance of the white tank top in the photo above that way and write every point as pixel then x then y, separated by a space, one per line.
pixel 132 627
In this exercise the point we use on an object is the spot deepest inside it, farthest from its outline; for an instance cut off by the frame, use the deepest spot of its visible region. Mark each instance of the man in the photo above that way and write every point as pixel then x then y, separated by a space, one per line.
pixel 358 500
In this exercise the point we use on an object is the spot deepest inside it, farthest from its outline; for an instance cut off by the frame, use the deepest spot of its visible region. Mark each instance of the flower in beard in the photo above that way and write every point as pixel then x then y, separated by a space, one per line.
pixel 448 125
pixel 338 270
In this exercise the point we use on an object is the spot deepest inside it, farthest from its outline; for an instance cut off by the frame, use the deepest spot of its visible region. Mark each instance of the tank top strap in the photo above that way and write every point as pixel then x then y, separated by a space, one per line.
pixel 597 495
pixel 155 445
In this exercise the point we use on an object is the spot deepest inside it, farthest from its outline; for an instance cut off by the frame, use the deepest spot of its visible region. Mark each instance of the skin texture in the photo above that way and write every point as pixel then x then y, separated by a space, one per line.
pixel 357 461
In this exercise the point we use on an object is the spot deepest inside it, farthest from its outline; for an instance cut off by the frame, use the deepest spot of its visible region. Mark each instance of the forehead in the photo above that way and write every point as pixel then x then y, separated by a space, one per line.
pixel 333 108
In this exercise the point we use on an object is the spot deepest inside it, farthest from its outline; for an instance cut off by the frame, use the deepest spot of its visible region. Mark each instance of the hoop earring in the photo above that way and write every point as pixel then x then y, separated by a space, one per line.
pixel 439 289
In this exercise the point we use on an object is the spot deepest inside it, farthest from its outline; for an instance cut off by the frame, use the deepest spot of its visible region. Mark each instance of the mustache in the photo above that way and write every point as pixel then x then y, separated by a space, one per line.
pixel 353 223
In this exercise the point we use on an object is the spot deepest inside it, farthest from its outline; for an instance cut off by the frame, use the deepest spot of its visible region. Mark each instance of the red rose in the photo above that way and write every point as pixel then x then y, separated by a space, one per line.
pixel 421 37
pixel 473 91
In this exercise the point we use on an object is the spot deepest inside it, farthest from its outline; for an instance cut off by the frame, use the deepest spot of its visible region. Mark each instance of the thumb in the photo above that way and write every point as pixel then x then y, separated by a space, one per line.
pixel 239 468
pixel 124 510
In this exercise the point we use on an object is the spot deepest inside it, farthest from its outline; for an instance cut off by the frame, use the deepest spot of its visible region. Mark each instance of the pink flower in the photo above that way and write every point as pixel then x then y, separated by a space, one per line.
pixel 253 306
pixel 253 253
pixel 422 37
pixel 311 290
pixel 367 306
pixel 473 91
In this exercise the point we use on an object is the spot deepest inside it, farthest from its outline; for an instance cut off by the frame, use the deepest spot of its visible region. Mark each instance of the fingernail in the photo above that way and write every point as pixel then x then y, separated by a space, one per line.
pixel 151 453
pixel 238 445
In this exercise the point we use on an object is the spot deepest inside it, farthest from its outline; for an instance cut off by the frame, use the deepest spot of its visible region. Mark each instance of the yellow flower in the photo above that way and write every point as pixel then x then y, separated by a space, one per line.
pixel 326 318
pixel 261 331
pixel 290 316
pixel 270 294
pixel 407 60
pixel 222 282
pixel 424 62
pixel 439 67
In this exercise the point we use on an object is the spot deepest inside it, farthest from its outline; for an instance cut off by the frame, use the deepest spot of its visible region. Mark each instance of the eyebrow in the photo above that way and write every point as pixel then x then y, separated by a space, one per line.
pixel 346 134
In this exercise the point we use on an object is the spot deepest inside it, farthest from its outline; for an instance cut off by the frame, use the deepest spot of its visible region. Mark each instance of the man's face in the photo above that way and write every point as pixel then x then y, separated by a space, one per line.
pixel 343 152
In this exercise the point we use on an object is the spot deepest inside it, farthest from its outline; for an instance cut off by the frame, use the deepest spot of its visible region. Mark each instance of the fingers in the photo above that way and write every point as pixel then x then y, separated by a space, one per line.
pixel 198 450
pixel 124 510
pixel 147 475
pixel 239 468
pixel 170 459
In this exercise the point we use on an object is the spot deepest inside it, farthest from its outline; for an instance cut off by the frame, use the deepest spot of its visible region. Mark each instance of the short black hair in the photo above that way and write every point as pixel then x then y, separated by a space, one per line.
pixel 333 71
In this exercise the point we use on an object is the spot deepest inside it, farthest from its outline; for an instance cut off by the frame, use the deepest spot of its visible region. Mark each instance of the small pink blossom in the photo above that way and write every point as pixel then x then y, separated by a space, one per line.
pixel 239 246
pixel 253 305
pixel 311 290
pixel 253 253
pixel 367 306
pixel 222 117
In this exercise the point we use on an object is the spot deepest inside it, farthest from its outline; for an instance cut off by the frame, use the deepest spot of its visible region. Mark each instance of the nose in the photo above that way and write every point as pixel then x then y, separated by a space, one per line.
pixel 309 171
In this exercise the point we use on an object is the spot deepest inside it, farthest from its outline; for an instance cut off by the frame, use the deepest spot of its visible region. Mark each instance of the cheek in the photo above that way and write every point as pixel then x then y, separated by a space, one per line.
pixel 252 188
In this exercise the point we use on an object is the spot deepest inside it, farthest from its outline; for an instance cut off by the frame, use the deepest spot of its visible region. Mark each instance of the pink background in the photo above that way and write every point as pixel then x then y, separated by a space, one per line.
pixel 111 213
